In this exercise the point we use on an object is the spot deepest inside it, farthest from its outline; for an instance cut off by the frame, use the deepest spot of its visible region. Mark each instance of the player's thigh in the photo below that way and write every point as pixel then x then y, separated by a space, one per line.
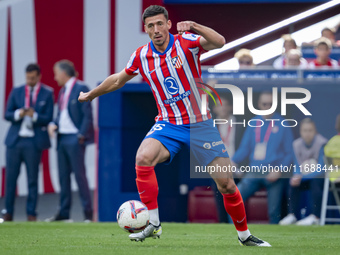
pixel 223 175
pixel 151 152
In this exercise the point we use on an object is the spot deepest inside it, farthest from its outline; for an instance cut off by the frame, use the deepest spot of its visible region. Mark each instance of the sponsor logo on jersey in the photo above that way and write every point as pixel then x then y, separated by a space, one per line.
pixel 217 143
pixel 171 85
pixel 177 62
pixel 177 98
pixel 207 146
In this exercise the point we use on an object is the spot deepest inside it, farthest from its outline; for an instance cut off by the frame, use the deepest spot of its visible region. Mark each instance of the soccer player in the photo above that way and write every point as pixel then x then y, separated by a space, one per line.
pixel 170 64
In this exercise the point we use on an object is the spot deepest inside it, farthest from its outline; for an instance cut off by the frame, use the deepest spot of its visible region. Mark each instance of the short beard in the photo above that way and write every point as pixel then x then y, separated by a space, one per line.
pixel 160 43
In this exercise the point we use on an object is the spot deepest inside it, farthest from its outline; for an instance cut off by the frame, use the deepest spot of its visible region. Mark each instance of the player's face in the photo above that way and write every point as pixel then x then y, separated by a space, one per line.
pixel 157 28
pixel 307 132
pixel 32 78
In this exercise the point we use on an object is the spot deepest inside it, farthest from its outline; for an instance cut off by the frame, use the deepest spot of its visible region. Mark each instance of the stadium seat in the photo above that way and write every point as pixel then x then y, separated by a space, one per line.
pixel 257 207
pixel 332 183
pixel 202 207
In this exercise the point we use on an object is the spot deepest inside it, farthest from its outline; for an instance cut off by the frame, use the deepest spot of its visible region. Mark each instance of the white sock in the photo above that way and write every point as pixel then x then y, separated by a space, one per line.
pixel 154 217
pixel 243 235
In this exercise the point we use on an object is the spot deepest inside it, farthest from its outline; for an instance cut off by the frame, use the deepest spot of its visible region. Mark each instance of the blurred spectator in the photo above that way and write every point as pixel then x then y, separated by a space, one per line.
pixel 308 153
pixel 329 34
pixel 231 134
pixel 294 59
pixel 332 151
pixel 74 125
pixel 337 34
pixel 325 33
pixel 269 144
pixel 322 49
pixel 29 109
pixel 288 44
pixel 244 58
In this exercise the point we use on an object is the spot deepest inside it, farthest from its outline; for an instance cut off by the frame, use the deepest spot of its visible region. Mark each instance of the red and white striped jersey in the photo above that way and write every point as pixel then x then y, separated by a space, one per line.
pixel 173 77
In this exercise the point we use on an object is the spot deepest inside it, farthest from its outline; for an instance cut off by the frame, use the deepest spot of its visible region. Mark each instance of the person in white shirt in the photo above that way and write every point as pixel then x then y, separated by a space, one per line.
pixel 288 44
pixel 295 59
pixel 74 126
pixel 323 49
pixel 29 109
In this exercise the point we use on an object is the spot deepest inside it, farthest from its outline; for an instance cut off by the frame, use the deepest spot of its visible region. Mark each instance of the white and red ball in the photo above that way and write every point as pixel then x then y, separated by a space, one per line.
pixel 133 216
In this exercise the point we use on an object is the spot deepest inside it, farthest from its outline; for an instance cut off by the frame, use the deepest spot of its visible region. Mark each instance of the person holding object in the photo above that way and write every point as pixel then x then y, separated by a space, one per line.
pixel 29 109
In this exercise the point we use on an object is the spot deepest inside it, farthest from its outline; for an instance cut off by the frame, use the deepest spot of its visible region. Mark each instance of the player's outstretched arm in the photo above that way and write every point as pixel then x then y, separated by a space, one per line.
pixel 210 38
pixel 111 83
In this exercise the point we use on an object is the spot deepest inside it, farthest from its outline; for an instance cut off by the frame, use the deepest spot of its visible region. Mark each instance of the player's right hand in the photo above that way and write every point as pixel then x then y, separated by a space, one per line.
pixel 84 97
pixel 184 26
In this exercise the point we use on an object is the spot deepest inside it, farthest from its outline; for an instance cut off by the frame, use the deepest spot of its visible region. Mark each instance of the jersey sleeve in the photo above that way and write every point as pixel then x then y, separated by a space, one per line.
pixel 193 41
pixel 132 67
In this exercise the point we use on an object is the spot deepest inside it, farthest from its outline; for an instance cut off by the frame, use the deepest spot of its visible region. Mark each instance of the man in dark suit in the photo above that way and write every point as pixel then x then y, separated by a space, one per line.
pixel 74 126
pixel 29 109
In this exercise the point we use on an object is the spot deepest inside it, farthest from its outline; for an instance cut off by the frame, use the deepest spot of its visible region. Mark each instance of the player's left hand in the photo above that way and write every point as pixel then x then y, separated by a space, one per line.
pixel 273 176
pixel 184 26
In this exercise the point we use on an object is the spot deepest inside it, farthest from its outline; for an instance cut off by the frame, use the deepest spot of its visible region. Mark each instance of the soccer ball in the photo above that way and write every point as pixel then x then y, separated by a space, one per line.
pixel 133 216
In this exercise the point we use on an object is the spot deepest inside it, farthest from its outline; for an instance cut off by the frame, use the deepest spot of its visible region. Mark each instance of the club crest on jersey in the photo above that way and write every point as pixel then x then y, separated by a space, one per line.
pixel 177 62
pixel 171 85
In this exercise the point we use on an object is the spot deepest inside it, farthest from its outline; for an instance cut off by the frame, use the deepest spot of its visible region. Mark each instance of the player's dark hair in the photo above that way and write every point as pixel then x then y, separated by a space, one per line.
pixel 33 67
pixel 154 10
pixel 67 66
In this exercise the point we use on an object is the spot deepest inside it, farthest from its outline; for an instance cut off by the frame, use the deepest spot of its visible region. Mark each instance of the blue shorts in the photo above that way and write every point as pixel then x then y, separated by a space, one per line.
pixel 202 138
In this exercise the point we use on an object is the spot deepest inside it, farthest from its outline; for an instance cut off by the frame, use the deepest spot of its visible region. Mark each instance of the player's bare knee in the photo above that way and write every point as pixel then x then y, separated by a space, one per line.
pixel 144 159
pixel 227 187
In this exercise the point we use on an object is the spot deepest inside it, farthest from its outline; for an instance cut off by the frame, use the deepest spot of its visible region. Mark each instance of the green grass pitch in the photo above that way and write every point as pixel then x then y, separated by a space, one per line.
pixel 108 238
